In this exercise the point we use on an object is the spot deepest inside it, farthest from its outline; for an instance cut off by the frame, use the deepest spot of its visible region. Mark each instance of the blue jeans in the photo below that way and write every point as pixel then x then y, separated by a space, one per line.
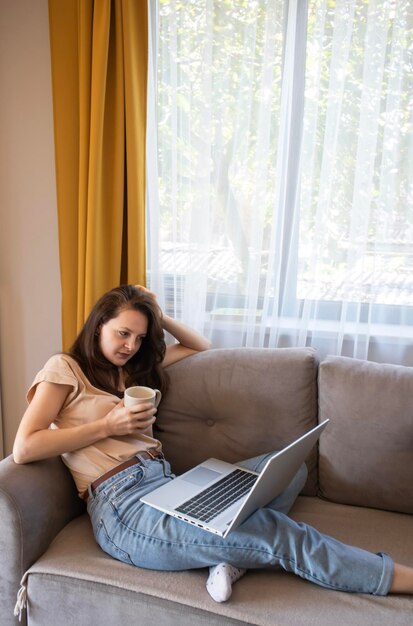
pixel 138 534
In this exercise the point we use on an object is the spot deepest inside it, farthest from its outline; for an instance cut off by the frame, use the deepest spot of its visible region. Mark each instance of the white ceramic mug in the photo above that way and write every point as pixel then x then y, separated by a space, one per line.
pixel 137 395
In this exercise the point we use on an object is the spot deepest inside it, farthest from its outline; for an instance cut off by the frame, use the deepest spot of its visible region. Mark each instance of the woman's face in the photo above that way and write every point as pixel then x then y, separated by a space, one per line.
pixel 121 337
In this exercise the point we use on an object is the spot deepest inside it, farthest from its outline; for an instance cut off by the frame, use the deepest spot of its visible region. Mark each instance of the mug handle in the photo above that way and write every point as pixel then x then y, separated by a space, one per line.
pixel 158 397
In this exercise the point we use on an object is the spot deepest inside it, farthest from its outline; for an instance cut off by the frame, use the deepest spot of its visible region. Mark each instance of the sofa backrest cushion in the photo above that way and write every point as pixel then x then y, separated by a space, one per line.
pixel 236 403
pixel 366 452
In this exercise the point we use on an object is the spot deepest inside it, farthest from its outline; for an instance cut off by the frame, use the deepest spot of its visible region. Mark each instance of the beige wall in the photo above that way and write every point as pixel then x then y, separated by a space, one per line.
pixel 29 265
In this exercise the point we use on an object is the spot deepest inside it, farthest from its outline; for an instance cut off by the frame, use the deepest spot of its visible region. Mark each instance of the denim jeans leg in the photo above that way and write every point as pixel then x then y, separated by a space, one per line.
pixel 286 499
pixel 138 534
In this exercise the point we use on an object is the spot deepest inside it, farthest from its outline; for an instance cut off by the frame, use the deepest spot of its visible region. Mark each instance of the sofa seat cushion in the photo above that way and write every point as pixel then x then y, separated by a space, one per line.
pixel 366 452
pixel 237 403
pixel 74 573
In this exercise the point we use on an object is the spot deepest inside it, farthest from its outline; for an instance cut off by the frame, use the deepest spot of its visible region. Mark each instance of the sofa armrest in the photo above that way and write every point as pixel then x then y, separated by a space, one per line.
pixel 36 501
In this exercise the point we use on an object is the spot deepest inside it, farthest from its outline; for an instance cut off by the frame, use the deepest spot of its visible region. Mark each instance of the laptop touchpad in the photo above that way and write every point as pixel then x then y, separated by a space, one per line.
pixel 200 476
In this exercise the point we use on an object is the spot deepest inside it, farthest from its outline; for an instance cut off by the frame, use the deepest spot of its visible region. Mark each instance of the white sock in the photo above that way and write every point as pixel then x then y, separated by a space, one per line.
pixel 220 580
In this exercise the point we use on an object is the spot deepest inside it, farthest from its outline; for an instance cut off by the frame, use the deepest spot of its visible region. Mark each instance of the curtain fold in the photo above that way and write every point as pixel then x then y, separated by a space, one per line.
pixel 135 29
pixel 99 69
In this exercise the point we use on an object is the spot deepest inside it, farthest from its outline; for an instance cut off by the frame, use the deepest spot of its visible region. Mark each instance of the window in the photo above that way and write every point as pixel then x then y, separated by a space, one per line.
pixel 356 225
pixel 279 177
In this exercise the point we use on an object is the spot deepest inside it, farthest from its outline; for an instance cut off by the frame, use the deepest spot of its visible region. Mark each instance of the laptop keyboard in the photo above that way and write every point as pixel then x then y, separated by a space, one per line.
pixel 208 503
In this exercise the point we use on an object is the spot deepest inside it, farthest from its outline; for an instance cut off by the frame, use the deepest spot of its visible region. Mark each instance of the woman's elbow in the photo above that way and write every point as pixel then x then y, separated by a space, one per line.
pixel 206 345
pixel 20 453
pixel 18 458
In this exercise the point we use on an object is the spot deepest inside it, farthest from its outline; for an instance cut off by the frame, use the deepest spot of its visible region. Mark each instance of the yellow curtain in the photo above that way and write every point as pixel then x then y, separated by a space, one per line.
pixel 99 70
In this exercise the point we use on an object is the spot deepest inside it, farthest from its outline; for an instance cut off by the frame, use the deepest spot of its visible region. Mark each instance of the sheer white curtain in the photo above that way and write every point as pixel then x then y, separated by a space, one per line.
pixel 355 277
pixel 279 172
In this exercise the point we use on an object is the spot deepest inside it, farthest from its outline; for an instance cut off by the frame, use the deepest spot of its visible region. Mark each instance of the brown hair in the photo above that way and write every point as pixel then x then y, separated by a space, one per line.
pixel 144 368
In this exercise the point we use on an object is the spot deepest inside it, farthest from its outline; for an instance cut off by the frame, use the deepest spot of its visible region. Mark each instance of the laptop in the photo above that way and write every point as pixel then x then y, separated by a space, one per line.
pixel 218 496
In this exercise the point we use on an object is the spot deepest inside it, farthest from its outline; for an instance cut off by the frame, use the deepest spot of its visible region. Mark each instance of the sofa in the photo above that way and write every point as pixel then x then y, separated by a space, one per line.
pixel 231 404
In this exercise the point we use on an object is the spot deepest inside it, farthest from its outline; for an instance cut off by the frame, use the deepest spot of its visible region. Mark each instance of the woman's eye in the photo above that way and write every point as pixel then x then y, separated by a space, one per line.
pixel 123 333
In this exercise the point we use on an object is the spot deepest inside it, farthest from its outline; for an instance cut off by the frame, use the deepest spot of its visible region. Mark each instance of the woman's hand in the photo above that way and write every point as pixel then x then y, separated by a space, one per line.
pixel 123 420
pixel 151 295
pixel 35 440
pixel 189 341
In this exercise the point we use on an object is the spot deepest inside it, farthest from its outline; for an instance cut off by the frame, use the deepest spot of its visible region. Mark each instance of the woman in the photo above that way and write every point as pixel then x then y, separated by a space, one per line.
pixel 75 410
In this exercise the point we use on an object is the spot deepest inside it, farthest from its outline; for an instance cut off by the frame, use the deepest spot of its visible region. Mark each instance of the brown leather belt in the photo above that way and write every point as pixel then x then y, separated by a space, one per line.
pixel 135 460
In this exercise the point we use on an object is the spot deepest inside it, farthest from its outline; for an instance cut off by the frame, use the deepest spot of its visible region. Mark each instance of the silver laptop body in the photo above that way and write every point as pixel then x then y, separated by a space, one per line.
pixel 200 496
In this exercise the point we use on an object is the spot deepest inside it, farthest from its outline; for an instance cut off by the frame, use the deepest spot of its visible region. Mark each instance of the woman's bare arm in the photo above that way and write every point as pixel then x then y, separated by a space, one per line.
pixel 35 440
pixel 189 341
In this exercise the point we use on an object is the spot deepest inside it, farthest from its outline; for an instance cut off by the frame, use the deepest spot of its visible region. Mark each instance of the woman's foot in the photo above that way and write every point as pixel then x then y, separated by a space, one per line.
pixel 220 580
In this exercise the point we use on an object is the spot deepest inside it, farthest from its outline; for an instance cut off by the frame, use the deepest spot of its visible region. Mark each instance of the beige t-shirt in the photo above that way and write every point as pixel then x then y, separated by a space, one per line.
pixel 86 403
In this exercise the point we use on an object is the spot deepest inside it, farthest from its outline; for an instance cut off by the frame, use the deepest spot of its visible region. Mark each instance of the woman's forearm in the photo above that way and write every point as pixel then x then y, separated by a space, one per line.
pixel 45 443
pixel 185 335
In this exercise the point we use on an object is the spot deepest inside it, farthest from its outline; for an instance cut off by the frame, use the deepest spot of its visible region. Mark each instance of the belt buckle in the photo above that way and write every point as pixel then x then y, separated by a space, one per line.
pixel 153 457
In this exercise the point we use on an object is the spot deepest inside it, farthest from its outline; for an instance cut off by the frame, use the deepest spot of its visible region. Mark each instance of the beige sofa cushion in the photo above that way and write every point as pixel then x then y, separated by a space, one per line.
pixel 237 403
pixel 366 452
pixel 74 573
